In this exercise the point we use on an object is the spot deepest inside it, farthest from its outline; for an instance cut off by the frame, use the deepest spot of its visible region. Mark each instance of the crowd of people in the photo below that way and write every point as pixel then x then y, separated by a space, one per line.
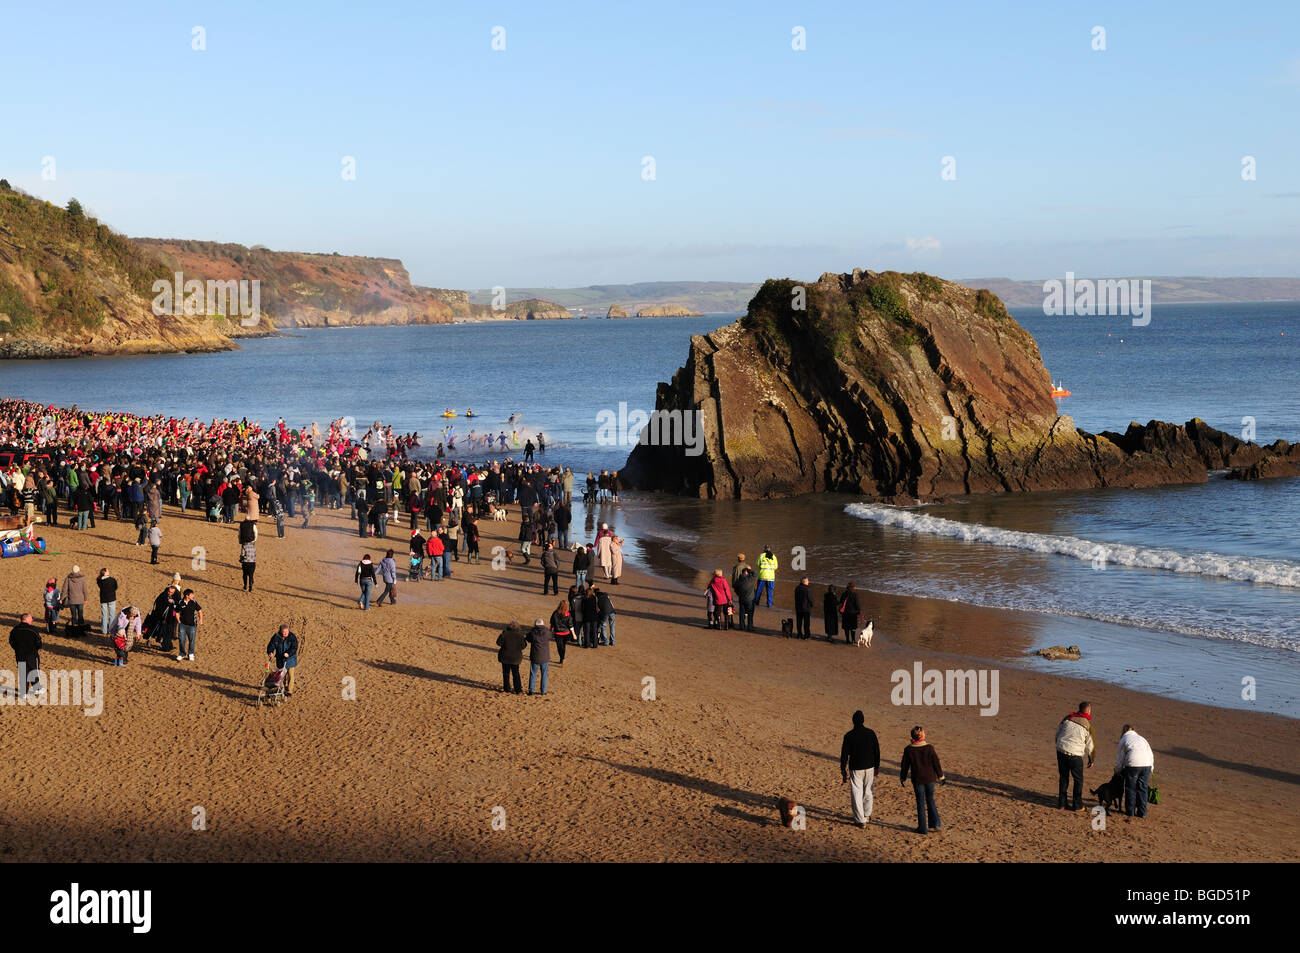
pixel 126 467
pixel 129 466
pixel 730 601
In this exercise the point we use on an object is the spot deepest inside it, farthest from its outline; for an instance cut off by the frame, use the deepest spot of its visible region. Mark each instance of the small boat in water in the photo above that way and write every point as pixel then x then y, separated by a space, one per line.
pixel 1058 390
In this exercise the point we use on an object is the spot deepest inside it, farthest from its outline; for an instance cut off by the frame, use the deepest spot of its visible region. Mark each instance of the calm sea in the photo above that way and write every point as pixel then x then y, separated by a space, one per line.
pixel 1200 586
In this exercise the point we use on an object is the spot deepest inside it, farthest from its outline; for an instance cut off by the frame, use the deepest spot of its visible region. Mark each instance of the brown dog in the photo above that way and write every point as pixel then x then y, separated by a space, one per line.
pixel 789 811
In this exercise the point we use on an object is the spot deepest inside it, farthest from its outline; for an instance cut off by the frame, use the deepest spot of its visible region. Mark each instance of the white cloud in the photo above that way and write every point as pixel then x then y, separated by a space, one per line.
pixel 926 244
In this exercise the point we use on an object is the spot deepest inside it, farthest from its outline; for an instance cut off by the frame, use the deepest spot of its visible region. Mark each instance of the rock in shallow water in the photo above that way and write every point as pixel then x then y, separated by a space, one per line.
pixel 1057 652
pixel 900 388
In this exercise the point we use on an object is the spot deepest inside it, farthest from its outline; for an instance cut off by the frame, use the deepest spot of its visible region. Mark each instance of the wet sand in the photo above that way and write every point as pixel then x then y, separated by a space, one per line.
pixel 430 752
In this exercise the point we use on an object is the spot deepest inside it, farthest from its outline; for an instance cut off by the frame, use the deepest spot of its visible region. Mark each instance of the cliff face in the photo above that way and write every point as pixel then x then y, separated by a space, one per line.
pixel 616 311
pixel 304 290
pixel 70 286
pixel 899 387
pixel 457 301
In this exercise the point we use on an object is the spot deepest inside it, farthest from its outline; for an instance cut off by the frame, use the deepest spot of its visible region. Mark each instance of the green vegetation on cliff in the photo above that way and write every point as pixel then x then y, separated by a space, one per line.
pixel 57 266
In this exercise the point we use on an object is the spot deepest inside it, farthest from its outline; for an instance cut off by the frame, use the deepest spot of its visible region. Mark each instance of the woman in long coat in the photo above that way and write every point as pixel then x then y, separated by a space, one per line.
pixel 850 611
pixel 605 555
pixel 831 613
pixel 616 557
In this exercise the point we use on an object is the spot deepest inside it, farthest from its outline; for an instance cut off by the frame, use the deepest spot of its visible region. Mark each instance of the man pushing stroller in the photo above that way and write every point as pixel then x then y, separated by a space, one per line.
pixel 282 651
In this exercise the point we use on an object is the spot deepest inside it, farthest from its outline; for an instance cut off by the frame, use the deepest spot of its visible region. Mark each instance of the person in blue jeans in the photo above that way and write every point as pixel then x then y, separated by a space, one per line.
pixel 446 554
pixel 1134 761
pixel 365 577
pixel 539 639
pixel 921 761
pixel 767 566
pixel 606 617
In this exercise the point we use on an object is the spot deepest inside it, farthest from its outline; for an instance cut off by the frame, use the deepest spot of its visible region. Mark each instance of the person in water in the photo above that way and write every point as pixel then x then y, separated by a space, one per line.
pixel 541 442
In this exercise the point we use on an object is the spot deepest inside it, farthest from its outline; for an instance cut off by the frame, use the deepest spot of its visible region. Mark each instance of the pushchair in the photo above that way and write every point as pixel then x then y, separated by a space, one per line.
pixel 271 690
pixel 415 572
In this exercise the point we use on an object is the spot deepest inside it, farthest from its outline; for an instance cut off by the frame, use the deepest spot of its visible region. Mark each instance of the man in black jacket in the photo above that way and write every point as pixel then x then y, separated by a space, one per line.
pixel 25 640
pixel 803 606
pixel 550 569
pixel 605 618
pixel 859 765
pixel 510 653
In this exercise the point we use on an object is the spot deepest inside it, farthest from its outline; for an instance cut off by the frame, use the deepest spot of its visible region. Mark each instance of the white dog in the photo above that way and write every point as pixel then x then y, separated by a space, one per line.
pixel 864 636
pixel 499 514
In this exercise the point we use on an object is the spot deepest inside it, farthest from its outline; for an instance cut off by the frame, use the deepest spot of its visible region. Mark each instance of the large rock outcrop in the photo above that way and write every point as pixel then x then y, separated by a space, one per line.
pixel 616 311
pixel 667 311
pixel 901 388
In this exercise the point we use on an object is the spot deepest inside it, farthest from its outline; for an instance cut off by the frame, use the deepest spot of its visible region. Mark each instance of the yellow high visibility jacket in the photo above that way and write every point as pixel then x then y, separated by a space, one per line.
pixel 766 568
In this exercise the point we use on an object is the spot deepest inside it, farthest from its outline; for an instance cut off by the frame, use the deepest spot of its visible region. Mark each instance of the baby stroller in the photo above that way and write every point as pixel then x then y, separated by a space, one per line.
pixel 271 690
pixel 417 562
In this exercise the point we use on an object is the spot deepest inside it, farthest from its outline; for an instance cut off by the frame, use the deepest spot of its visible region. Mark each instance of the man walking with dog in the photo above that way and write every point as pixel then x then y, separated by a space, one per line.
pixel 1134 761
pixel 859 765
pixel 1074 742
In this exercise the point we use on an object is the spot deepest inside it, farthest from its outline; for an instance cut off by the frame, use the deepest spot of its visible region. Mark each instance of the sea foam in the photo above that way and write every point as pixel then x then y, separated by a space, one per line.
pixel 1274 572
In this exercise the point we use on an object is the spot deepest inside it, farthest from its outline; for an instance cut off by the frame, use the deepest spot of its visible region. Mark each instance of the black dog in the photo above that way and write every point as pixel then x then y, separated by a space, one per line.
pixel 787 628
pixel 1111 794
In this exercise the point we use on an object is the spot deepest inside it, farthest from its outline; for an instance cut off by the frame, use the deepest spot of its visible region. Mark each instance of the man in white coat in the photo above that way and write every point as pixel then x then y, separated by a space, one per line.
pixel 1134 760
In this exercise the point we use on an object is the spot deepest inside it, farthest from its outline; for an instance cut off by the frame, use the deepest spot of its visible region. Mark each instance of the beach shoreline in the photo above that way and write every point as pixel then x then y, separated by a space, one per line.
pixel 417 766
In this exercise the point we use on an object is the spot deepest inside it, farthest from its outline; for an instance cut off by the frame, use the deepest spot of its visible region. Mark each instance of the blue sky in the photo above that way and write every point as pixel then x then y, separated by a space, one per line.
pixel 523 166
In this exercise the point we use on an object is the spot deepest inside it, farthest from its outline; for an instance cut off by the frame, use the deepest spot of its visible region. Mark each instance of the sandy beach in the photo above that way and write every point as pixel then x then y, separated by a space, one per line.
pixel 430 752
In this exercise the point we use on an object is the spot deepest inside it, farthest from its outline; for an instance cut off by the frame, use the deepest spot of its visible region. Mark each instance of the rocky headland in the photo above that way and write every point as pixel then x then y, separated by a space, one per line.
pixel 902 388
pixel 667 311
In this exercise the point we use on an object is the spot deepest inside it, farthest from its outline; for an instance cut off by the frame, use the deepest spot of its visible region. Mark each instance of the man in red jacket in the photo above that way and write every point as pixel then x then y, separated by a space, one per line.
pixel 435 554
